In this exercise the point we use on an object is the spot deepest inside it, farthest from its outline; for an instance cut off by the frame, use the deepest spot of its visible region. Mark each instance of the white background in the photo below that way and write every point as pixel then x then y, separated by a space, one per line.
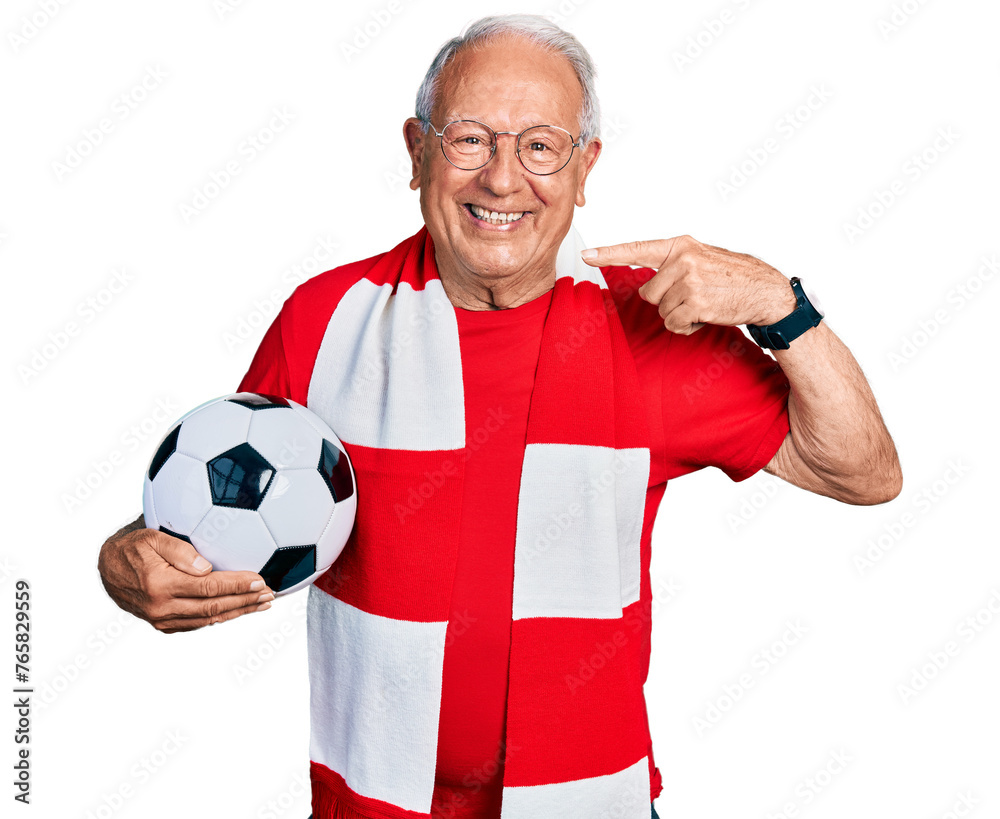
pixel 747 558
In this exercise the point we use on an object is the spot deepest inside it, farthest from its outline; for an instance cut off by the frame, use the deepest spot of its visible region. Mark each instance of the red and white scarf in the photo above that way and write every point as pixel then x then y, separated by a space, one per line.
pixel 388 379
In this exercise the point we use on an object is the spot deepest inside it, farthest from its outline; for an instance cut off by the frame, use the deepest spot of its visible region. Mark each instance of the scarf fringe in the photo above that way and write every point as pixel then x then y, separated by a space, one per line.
pixel 332 798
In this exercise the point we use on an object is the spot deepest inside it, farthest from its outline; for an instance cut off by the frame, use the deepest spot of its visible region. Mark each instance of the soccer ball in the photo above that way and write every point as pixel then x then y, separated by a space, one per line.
pixel 254 482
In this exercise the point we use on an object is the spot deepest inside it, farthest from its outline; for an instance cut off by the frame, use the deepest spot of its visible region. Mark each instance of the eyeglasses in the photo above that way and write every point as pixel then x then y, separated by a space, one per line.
pixel 541 149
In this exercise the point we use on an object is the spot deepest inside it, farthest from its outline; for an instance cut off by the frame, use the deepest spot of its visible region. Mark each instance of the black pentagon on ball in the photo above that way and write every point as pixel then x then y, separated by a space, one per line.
pixel 289 565
pixel 165 530
pixel 257 400
pixel 336 471
pixel 164 451
pixel 239 477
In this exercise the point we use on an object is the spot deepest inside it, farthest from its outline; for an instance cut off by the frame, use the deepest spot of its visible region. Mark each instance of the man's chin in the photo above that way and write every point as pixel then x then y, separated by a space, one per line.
pixel 494 265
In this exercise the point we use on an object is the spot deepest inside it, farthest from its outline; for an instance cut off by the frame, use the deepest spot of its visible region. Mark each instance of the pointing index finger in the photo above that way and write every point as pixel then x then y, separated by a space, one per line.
pixel 644 253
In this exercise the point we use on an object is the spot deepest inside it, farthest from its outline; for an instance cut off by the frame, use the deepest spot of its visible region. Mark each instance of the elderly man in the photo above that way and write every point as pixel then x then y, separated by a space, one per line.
pixel 513 405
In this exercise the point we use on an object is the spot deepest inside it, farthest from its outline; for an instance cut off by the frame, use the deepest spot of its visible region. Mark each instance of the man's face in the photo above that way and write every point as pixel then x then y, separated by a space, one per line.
pixel 508 85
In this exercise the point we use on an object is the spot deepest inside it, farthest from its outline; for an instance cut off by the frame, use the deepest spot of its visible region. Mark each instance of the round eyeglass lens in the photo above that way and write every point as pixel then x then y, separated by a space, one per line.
pixel 544 149
pixel 467 145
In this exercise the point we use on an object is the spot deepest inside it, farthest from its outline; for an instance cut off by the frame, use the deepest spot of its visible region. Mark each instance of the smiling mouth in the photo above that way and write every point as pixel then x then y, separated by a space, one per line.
pixel 492 217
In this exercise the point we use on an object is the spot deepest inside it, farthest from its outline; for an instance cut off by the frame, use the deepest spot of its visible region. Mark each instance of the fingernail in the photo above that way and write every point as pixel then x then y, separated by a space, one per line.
pixel 265 597
pixel 257 585
pixel 589 253
pixel 200 564
pixel 263 606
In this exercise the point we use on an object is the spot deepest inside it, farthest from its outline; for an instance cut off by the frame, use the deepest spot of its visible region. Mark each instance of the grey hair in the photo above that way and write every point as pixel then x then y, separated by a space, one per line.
pixel 536 29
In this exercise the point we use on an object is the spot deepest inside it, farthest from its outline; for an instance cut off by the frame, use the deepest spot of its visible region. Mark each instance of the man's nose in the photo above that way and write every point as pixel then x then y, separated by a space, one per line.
pixel 504 171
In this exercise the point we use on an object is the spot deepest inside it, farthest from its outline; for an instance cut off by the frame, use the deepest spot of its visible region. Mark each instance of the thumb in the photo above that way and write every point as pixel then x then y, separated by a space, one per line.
pixel 179 553
pixel 645 254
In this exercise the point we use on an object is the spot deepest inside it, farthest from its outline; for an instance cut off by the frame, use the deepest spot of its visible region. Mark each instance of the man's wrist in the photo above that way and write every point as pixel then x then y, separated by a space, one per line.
pixel 781 305
pixel 803 316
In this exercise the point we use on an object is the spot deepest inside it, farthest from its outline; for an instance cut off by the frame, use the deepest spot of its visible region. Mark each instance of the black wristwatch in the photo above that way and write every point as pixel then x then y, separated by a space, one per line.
pixel 779 335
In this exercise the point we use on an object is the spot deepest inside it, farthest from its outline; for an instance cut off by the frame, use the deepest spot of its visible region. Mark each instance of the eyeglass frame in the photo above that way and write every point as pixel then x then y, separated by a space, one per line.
pixel 493 148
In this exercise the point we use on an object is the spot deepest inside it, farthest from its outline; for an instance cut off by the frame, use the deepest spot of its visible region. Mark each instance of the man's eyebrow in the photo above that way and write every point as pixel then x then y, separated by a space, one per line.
pixel 460 115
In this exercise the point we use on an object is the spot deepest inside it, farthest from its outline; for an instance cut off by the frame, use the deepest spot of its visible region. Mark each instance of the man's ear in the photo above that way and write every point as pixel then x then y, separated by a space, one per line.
pixel 416 140
pixel 588 156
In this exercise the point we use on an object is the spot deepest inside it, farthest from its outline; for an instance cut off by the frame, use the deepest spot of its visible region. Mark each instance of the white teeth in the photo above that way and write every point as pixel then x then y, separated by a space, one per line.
pixel 495 216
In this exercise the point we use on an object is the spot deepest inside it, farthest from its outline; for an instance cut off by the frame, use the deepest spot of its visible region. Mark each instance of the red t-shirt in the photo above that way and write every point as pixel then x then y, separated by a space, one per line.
pixel 712 399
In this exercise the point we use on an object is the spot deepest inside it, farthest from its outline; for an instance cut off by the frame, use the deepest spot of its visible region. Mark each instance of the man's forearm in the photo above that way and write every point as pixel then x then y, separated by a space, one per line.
pixel 839 445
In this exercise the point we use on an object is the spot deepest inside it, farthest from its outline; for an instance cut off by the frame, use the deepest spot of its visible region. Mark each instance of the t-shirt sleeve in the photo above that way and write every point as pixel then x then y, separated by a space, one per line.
pixel 268 371
pixel 725 403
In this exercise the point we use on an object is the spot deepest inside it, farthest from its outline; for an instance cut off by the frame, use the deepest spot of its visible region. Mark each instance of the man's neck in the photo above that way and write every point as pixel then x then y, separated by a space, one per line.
pixel 472 293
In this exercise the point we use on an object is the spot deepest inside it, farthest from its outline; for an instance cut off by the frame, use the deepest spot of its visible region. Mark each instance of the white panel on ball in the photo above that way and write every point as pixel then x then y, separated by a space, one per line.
pixel 285 439
pixel 338 530
pixel 297 507
pixel 234 539
pixel 181 493
pixel 214 429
